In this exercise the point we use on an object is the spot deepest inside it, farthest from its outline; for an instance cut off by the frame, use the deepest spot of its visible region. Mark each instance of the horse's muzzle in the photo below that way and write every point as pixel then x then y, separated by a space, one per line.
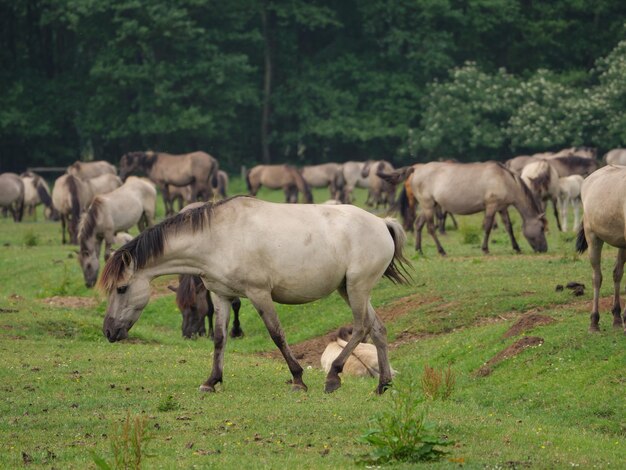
pixel 114 332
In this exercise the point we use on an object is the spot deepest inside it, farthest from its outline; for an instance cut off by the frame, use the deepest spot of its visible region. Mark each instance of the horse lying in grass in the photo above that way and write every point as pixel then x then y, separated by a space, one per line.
pixel 196 306
pixel 291 254
pixel 604 221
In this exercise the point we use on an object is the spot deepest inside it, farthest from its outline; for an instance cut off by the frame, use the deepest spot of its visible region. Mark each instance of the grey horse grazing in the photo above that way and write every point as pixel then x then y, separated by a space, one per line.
pixel 285 177
pixel 468 188
pixel 37 191
pixel 604 221
pixel 299 253
pixel 543 181
pixel 323 176
pixel 12 195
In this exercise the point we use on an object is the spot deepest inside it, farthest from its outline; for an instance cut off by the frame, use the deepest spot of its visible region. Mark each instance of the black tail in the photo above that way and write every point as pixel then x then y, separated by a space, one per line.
pixel 43 193
pixel 581 240
pixel 75 209
pixel 248 185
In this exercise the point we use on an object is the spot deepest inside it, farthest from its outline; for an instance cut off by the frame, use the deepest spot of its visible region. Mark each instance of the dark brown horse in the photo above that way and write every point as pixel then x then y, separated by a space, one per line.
pixel 285 177
pixel 195 305
pixel 197 169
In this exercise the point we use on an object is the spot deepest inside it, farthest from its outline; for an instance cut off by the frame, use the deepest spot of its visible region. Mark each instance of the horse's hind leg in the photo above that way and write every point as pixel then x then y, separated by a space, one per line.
pixel 264 304
pixel 222 313
pixel 618 273
pixel 362 324
pixel 556 214
pixel 595 257
pixel 508 226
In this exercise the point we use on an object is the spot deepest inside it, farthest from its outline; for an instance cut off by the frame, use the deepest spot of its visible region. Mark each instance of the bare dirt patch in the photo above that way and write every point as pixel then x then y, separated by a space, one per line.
pixel 512 350
pixel 528 322
pixel 70 301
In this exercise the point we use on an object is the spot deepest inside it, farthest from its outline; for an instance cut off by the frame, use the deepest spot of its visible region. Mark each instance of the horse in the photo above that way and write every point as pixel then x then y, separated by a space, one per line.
pixel 12 195
pixel 574 165
pixel 323 176
pixel 132 203
pixel 615 157
pixel 543 181
pixel 569 194
pixel 381 191
pixel 517 164
pixel 584 152
pixel 603 196
pixel 71 196
pixel 195 305
pixel 468 188
pixel 197 169
pixel 37 191
pixel 349 178
pixel 285 177
pixel 290 254
pixel 88 170
pixel 361 363
pixel 182 194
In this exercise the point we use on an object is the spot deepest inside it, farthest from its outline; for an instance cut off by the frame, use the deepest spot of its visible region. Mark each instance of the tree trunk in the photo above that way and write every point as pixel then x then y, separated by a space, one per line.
pixel 268 18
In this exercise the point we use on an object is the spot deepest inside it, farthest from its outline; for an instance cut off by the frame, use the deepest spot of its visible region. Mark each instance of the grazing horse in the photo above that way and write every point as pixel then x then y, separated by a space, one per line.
pixel 574 165
pixel 12 195
pixel 197 169
pixel 132 203
pixel 569 195
pixel 381 191
pixel 195 305
pixel 468 188
pixel 349 178
pixel 71 196
pixel 323 176
pixel 88 170
pixel 37 191
pixel 285 177
pixel 543 181
pixel 604 221
pixel 291 254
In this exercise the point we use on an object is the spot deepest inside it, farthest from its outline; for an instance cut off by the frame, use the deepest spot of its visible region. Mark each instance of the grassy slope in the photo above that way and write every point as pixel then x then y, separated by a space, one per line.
pixel 65 388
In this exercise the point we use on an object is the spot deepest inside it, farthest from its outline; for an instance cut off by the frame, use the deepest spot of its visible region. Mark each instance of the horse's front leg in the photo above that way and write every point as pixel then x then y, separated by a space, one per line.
pixel 108 245
pixel 222 313
pixel 430 226
pixel 508 226
pixel 264 304
pixel 487 225
pixel 236 331
pixel 556 213
pixel 595 257
pixel 618 273
pixel 167 201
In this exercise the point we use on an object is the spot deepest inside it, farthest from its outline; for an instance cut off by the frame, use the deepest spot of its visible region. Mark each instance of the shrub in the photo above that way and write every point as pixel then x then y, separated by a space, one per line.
pixel 128 443
pixel 402 433
pixel 438 384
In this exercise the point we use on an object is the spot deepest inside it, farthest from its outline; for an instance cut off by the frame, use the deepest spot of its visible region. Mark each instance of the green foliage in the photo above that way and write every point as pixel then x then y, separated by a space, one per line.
pixel 31 238
pixel 168 403
pixel 471 233
pixel 402 433
pixel 128 445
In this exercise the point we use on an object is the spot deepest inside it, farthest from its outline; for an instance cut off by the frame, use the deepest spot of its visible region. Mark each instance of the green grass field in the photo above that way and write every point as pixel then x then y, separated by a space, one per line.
pixel 66 391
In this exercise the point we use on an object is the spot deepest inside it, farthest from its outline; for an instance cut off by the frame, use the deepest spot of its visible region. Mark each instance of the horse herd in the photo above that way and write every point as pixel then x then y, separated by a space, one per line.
pixel 298 254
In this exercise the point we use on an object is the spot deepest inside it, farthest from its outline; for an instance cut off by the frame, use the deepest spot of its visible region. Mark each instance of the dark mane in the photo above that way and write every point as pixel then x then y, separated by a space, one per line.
pixel 186 292
pixel 88 222
pixel 150 243
pixel 530 197
pixel 575 160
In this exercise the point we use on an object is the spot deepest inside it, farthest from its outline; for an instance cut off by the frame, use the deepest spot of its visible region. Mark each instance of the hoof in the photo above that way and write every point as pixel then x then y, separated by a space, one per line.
pixel 382 388
pixel 299 388
pixel 594 329
pixel 332 385
pixel 207 388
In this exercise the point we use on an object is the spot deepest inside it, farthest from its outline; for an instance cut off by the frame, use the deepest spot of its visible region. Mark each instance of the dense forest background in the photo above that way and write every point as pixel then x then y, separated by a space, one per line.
pixel 309 81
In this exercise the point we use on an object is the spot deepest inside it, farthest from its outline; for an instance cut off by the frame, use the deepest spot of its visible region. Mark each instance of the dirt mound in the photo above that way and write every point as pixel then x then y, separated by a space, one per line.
pixel 513 350
pixel 528 322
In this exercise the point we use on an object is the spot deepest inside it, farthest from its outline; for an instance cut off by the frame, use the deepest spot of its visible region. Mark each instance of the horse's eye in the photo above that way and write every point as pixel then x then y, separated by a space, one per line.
pixel 122 289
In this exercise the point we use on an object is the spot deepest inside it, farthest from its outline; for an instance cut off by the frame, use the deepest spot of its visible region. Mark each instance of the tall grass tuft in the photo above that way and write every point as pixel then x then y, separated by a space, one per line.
pixel 128 444
pixel 470 234
pixel 31 238
pixel 402 433
pixel 438 384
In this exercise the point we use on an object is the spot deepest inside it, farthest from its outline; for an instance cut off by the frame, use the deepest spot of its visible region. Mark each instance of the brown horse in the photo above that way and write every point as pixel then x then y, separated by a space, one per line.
pixel 604 221
pixel 195 305
pixel 468 188
pixel 197 169
pixel 285 177
pixel 12 195
pixel 88 170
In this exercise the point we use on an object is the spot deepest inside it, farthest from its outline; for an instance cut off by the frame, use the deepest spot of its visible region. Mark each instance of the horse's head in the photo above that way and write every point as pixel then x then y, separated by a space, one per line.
pixel 191 298
pixel 534 229
pixel 90 264
pixel 128 163
pixel 128 295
